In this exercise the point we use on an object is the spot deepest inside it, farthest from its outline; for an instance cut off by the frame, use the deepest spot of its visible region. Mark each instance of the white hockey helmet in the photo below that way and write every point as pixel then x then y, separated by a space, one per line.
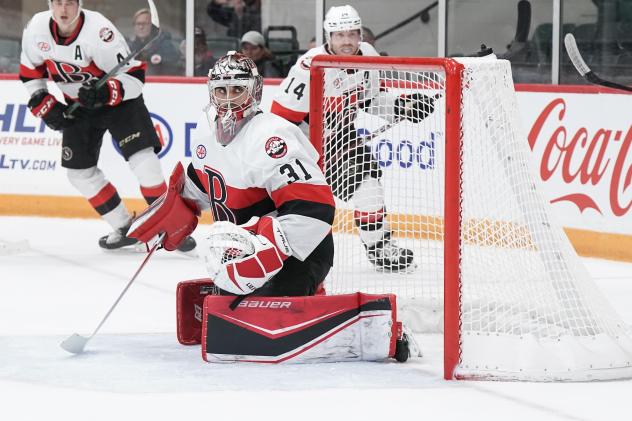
pixel 341 18
pixel 51 1
pixel 234 69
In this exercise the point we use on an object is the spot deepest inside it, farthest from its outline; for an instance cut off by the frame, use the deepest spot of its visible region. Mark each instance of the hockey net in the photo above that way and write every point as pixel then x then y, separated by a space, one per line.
pixel 493 271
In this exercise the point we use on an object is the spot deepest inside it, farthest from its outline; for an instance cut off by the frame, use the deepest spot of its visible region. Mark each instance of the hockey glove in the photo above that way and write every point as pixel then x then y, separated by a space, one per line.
pixel 414 107
pixel 111 94
pixel 172 214
pixel 241 261
pixel 43 105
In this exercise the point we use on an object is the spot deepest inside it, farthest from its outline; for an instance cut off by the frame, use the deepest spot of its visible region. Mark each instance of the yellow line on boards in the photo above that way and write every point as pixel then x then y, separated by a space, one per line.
pixel 587 243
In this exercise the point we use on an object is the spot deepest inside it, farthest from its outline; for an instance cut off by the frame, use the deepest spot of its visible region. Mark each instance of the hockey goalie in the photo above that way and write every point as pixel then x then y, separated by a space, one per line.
pixel 271 246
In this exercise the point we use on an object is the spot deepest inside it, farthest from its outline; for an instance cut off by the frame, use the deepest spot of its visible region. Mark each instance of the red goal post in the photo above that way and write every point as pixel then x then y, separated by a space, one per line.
pixel 515 300
pixel 453 71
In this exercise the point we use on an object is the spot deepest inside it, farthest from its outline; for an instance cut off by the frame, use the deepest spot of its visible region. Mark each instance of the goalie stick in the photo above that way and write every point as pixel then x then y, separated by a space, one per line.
pixel 155 25
pixel 584 70
pixel 76 343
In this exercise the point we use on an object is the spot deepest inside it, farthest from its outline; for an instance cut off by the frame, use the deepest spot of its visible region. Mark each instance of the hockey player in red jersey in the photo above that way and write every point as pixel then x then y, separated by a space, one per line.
pixel 349 167
pixel 259 177
pixel 75 47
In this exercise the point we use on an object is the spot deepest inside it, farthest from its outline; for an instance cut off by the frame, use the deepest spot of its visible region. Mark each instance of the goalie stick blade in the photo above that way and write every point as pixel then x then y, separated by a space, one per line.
pixel 575 56
pixel 584 70
pixel 75 344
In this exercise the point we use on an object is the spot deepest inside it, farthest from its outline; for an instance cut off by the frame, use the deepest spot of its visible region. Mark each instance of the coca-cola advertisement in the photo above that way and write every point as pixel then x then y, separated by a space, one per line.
pixel 581 148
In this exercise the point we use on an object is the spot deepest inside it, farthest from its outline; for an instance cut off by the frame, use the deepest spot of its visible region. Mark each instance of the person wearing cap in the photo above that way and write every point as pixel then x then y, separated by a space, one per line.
pixel 203 59
pixel 162 55
pixel 253 45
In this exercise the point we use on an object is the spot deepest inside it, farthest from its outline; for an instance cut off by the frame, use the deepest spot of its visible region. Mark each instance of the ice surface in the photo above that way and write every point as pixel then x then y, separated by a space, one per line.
pixel 135 369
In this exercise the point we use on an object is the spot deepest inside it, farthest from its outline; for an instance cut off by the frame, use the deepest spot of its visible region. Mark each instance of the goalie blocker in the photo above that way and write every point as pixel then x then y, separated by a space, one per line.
pixel 350 327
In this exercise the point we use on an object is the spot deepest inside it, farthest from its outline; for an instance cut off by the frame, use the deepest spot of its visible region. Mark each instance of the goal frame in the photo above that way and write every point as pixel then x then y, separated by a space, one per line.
pixel 453 183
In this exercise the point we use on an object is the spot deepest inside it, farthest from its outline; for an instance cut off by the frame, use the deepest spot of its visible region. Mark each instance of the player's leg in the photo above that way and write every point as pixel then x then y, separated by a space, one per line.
pixel 355 176
pixel 130 124
pixel 80 153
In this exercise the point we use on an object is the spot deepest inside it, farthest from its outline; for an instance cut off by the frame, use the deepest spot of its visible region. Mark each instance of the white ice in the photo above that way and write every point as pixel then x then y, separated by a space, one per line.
pixel 135 368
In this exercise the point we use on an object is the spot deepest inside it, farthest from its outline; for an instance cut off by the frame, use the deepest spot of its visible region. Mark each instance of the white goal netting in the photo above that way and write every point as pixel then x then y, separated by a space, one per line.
pixel 526 307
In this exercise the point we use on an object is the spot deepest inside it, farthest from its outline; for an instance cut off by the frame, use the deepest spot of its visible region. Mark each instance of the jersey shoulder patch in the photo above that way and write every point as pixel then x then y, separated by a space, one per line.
pixel 275 147
pixel 305 61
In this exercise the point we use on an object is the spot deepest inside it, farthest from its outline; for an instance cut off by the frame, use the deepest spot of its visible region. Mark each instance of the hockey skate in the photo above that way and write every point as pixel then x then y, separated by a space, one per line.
pixel 187 244
pixel 117 239
pixel 388 257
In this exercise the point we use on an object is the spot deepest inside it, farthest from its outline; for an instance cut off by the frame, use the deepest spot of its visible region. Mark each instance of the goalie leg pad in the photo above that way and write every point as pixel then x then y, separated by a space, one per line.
pixel 189 304
pixel 351 327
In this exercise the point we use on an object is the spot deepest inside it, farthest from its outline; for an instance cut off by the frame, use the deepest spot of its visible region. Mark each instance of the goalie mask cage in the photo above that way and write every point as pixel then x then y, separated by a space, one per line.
pixel 493 271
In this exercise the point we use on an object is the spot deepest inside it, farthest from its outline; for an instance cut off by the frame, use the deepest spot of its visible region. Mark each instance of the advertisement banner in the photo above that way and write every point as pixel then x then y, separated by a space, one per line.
pixel 580 143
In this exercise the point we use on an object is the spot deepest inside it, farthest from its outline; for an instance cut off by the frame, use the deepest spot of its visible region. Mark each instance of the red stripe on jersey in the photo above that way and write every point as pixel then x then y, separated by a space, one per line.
pixel 153 191
pixel 307 192
pixel 91 68
pixel 236 198
pixel 337 104
pixel 141 66
pixel 286 113
pixel 242 198
pixel 369 217
pixel 103 196
pixel 54 29
pixel 37 73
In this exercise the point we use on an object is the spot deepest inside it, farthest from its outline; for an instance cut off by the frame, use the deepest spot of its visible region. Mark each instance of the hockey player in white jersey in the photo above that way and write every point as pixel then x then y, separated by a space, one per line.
pixel 259 177
pixel 75 47
pixel 349 167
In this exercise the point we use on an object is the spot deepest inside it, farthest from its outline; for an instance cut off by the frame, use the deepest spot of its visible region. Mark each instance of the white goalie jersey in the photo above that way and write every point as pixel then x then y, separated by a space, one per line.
pixel 90 52
pixel 269 168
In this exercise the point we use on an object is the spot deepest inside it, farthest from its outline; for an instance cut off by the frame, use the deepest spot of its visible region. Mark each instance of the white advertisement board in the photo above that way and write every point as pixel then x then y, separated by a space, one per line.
pixel 580 142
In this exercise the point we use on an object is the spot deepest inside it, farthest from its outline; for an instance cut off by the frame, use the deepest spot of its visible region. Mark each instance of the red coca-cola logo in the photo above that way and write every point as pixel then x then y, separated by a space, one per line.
pixel 586 158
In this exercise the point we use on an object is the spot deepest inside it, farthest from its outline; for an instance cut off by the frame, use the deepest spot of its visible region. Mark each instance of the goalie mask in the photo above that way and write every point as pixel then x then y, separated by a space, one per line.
pixel 235 87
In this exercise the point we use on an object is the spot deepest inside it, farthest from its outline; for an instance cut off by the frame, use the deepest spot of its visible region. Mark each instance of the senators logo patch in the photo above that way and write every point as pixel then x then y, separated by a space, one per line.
pixel 276 147
pixel 200 151
pixel 43 46
pixel 66 153
pixel 106 34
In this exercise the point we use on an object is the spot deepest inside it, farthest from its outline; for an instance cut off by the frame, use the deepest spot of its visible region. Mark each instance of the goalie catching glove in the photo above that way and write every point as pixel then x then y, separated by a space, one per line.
pixel 414 107
pixel 171 214
pixel 242 258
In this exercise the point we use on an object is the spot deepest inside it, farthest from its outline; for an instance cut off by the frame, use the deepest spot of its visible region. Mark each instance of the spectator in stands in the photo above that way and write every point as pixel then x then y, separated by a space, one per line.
pixel 203 59
pixel 369 37
pixel 253 45
pixel 240 16
pixel 312 43
pixel 162 55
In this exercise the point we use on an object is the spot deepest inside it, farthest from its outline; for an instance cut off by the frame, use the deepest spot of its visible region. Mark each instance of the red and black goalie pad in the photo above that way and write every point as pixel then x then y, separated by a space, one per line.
pixel 170 213
pixel 189 305
pixel 350 327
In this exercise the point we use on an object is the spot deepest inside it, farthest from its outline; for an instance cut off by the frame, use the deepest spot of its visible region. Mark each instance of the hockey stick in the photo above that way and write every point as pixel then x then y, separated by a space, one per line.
pixel 76 343
pixel 371 136
pixel 155 28
pixel 584 70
